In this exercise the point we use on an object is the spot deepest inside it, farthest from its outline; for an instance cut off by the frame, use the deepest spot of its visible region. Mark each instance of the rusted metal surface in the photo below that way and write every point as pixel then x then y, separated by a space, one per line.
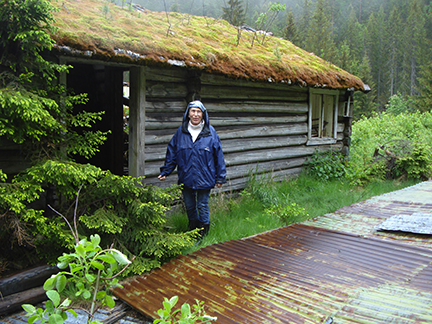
pixel 334 269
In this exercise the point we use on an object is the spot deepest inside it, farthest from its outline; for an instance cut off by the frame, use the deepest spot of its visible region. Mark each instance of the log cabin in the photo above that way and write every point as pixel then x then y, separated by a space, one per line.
pixel 272 103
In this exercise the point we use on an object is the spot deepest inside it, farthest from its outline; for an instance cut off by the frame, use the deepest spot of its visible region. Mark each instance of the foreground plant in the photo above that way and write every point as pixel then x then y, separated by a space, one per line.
pixel 93 271
pixel 184 315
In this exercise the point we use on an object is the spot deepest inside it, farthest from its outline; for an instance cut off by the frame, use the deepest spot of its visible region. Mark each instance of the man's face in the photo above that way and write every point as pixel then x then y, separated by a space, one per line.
pixel 195 115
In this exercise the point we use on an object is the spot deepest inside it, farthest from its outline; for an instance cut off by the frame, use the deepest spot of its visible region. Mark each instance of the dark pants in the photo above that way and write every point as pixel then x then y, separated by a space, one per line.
pixel 197 205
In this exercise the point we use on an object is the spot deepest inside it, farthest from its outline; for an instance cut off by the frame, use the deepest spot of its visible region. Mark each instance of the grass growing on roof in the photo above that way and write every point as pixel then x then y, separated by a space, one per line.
pixel 178 36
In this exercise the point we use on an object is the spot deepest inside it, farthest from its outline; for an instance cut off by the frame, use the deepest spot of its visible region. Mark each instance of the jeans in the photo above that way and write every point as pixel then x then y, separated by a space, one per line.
pixel 197 207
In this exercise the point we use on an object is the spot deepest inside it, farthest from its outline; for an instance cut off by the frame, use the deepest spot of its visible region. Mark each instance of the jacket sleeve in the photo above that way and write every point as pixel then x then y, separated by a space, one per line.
pixel 171 157
pixel 219 161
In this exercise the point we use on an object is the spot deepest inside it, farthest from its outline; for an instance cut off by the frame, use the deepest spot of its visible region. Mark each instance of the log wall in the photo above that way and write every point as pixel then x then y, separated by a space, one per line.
pixel 263 127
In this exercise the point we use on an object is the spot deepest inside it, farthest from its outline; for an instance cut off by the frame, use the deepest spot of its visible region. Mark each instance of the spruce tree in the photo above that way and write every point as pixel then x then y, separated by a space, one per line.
pixel 234 13
pixel 319 38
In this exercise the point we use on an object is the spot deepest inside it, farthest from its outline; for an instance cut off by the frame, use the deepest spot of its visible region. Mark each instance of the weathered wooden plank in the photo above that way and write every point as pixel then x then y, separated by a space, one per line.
pixel 175 107
pixel 220 80
pixel 157 152
pixel 282 175
pixel 27 279
pixel 170 121
pixel 267 155
pixel 171 74
pixel 240 171
pixel 224 92
pixel 12 303
pixel 164 136
pixel 238 182
pixel 256 106
pixel 166 90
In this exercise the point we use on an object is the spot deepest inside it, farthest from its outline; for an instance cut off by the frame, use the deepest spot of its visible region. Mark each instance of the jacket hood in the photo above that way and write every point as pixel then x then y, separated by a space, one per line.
pixel 185 123
pixel 197 104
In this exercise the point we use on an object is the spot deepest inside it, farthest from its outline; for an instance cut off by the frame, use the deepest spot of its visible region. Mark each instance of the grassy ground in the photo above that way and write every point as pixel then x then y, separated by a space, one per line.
pixel 234 216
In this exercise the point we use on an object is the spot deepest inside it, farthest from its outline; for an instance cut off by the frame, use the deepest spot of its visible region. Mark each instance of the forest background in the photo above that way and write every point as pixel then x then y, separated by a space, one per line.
pixel 387 43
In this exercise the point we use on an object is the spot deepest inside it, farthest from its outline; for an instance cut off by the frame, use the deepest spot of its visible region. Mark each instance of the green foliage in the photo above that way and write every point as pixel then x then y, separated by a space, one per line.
pixel 92 271
pixel 389 146
pixel 326 165
pixel 36 110
pixel 184 315
pixel 288 214
pixel 234 12
pixel 120 208
pixel 399 104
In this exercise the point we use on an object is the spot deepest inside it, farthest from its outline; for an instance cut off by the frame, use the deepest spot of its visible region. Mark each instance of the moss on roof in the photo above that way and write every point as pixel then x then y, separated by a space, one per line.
pixel 105 31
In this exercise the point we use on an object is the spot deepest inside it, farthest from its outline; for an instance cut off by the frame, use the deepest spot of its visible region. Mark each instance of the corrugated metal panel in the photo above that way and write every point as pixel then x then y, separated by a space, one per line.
pixel 304 273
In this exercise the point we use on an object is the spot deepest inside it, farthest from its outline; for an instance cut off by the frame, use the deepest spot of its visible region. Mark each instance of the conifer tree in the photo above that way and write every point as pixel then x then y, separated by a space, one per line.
pixel 234 13
pixel 290 31
pixel 319 38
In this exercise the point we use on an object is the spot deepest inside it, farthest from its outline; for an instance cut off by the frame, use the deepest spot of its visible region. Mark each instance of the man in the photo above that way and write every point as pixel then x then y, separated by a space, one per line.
pixel 196 150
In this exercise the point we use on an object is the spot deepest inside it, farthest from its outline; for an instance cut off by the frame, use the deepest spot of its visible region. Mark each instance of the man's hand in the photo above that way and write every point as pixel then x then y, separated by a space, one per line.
pixel 161 177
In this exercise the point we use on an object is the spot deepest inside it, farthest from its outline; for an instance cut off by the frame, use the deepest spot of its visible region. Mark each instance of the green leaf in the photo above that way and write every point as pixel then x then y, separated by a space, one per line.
pixel 97 265
pixel 120 257
pixel 50 283
pixel 91 278
pixel 95 239
pixel 80 250
pixel 61 283
pixel 110 301
pixel 107 258
pixel 185 310
pixel 54 296
pixel 86 294
pixel 72 312
pixel 29 308
pixel 55 319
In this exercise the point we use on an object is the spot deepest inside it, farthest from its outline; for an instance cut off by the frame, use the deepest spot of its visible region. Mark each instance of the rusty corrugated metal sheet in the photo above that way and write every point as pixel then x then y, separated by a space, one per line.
pixel 307 273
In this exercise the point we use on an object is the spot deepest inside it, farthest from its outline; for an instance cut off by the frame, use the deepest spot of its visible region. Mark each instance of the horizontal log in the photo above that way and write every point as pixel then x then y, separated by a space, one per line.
pixel 164 121
pixel 166 90
pixel 238 183
pixel 27 279
pixel 153 137
pixel 214 79
pixel 175 107
pixel 241 171
pixel 276 176
pixel 157 152
pixel 152 168
pixel 256 106
pixel 12 303
pixel 172 74
pixel 223 92
pixel 267 155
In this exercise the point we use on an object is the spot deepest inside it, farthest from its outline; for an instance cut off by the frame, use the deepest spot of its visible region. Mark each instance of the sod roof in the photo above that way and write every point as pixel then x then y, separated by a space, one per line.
pixel 101 30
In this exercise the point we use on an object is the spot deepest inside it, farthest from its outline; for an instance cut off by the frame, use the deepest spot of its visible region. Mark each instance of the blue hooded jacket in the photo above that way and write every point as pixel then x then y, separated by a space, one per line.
pixel 200 164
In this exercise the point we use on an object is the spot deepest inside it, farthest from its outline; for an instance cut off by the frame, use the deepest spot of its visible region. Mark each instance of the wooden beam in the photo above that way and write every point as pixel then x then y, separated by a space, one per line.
pixel 137 122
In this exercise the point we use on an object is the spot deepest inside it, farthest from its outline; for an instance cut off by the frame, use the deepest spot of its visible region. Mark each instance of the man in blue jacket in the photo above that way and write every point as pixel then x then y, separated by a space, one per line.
pixel 196 150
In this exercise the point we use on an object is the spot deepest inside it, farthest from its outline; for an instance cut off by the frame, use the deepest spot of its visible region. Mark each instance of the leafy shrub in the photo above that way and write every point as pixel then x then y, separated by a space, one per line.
pixel 326 165
pixel 288 214
pixel 184 315
pixel 120 209
pixel 391 146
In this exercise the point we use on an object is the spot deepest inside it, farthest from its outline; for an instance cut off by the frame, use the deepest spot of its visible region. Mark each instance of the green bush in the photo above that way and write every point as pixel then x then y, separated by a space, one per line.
pixel 119 208
pixel 288 214
pixel 327 165
pixel 391 146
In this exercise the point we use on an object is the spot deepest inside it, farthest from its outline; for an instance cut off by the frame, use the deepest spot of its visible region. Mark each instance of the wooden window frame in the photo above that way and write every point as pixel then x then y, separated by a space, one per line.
pixel 319 113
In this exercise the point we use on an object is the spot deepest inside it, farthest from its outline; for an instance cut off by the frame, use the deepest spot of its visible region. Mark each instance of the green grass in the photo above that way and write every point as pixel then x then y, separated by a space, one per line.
pixel 244 214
